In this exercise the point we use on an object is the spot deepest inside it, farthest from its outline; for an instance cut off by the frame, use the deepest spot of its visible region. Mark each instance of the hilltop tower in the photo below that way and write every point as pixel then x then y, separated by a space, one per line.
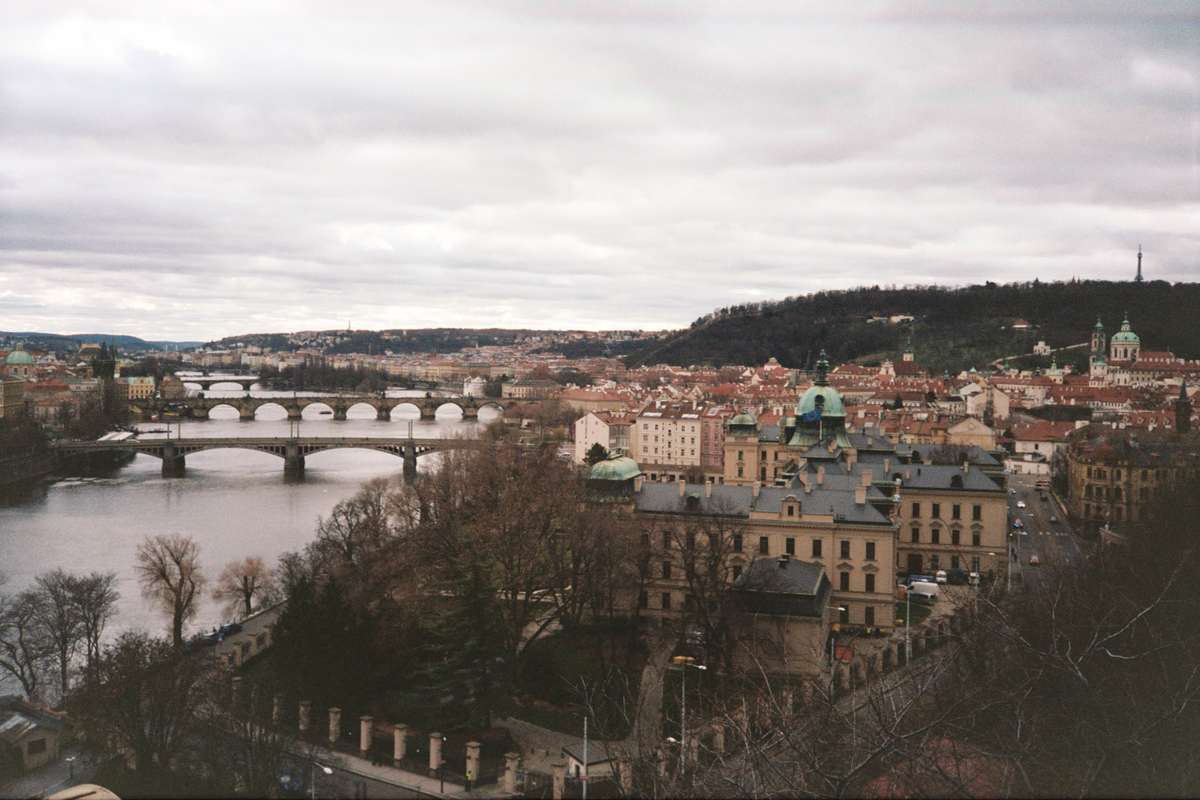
pixel 1138 279
pixel 1183 410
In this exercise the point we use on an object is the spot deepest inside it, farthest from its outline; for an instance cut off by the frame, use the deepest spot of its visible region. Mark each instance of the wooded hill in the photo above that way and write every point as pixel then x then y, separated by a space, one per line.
pixel 952 329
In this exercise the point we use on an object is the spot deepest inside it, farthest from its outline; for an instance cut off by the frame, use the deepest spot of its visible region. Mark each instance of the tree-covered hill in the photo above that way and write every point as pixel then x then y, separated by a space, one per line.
pixel 952 328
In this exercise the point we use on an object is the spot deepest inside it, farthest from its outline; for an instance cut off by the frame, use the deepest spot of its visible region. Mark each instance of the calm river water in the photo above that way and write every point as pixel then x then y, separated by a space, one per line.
pixel 235 503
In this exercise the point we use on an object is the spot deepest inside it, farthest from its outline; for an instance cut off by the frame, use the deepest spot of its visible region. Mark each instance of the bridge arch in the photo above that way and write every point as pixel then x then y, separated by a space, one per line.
pixel 362 410
pixel 316 410
pixel 223 386
pixel 493 406
pixel 407 408
pixel 230 406
pixel 270 404
pixel 449 404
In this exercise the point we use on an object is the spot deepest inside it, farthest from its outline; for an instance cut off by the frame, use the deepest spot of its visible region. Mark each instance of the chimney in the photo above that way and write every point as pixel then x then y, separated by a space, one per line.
pixel 803 476
pixel 821 475
pixel 851 457
pixel 637 483
pixel 708 488
pixel 682 486
pixel 867 476
pixel 966 466
pixel 860 495
pixel 755 488
pixel 887 465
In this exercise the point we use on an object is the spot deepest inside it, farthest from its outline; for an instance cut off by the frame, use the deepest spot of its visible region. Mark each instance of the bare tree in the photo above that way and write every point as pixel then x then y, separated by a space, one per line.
pixel 241 583
pixel 168 567
pixel 95 599
pixel 25 650
pixel 59 617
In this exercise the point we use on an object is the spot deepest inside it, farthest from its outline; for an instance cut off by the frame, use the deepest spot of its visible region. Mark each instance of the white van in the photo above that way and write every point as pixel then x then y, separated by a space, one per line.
pixel 924 589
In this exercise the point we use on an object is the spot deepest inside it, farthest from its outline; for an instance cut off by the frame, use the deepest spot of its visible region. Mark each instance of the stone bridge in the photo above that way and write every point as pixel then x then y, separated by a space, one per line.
pixel 291 449
pixel 199 407
pixel 205 381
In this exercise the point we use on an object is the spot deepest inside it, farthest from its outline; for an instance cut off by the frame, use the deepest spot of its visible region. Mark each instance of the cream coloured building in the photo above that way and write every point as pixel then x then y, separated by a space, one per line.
pixel 667 439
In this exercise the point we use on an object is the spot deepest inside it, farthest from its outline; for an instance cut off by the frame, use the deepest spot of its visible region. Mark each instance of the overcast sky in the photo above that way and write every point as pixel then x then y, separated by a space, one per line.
pixel 188 171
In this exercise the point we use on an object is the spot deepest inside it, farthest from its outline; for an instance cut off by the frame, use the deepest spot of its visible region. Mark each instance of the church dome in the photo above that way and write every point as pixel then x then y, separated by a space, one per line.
pixel 827 398
pixel 18 358
pixel 744 419
pixel 622 468
pixel 1126 334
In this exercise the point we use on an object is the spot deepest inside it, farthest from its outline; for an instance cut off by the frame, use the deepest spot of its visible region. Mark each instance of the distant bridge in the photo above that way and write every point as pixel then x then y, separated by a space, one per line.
pixel 247 407
pixel 205 381
pixel 291 449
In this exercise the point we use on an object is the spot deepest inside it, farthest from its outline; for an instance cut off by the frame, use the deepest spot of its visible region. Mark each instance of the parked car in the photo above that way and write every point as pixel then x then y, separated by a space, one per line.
pixel 1020 504
pixel 973 578
pixel 924 590
pixel 916 578
pixel 956 577
pixel 1053 518
pixel 940 577
pixel 1034 560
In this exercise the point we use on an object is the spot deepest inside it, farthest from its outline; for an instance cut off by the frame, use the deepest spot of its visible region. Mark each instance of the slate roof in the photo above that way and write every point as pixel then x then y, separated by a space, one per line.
pixel 937 476
pixel 663 498
pixel 781 585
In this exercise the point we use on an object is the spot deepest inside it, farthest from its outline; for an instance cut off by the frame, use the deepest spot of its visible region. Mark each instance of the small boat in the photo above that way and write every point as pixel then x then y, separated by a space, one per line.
pixel 324 413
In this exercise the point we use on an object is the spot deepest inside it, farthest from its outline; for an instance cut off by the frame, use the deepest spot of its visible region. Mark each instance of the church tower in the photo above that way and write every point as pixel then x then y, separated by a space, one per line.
pixel 1097 363
pixel 1183 410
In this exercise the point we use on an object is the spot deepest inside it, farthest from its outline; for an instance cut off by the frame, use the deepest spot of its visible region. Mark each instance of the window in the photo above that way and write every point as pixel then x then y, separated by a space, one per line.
pixel 740 458
pixel 737 571
pixel 643 600
pixel 740 472
pixel 869 615
pixel 666 601
pixel 790 546
pixel 845 548
pixel 954 534
pixel 1117 474
pixel 975 538
pixel 36 746
pixel 816 548
pixel 956 511
pixel 646 540
pixel 936 536
pixel 844 581
pixel 977 513
pixel 934 561
pixel 666 540
pixel 844 616
pixel 870 551
pixel 737 543
pixel 916 510
pixel 936 510
pixel 870 582
pixel 764 546
pixel 916 534
pixel 953 562
pixel 791 510
pixel 975 563
pixel 691 540
pixel 666 569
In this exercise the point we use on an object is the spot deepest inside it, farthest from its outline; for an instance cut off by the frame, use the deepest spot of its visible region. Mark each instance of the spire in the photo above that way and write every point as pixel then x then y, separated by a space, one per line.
pixel 1099 324
pixel 823 369
pixel 1138 279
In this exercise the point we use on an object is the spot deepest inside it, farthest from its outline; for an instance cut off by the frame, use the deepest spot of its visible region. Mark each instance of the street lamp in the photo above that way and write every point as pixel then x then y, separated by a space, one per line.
pixel 71 765
pixel 832 656
pixel 442 768
pixel 313 781
pixel 683 662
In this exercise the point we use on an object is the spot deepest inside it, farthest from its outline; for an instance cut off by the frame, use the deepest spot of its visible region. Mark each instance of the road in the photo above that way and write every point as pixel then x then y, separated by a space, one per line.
pixel 1052 542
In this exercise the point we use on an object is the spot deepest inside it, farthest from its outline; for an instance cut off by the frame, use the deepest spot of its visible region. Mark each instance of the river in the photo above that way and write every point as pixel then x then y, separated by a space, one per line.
pixel 235 503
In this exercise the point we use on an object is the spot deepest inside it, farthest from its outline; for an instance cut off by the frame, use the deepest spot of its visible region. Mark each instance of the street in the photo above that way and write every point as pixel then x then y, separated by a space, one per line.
pixel 1052 542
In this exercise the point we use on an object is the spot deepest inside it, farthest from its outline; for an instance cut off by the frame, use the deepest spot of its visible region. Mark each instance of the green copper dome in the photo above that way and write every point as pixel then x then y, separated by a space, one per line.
pixel 827 397
pixel 18 357
pixel 1126 334
pixel 622 468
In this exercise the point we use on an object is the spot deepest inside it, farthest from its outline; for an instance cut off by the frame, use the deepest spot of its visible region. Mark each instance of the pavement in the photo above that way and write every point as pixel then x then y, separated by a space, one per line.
pixel 51 778
pixel 358 777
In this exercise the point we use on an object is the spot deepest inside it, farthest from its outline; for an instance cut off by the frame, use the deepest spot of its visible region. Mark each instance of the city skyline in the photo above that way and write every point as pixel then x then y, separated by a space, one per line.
pixel 177 175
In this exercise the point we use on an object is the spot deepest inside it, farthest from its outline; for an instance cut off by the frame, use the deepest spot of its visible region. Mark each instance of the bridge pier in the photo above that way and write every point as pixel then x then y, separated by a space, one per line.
pixel 383 414
pixel 246 413
pixel 428 411
pixel 410 461
pixel 199 413
pixel 470 412
pixel 295 412
pixel 173 464
pixel 339 413
pixel 293 460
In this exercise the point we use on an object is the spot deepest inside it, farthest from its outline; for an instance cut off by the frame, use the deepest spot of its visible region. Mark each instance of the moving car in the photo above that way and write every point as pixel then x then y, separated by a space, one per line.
pixel 940 577
pixel 1034 560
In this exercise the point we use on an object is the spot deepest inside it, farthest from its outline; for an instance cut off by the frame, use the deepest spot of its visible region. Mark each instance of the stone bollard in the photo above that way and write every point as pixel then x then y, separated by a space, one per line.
pixel 305 713
pixel 435 752
pixel 366 733
pixel 399 743
pixel 473 763
pixel 335 724
pixel 918 645
pixel 625 775
pixel 807 690
pixel 277 709
pixel 859 672
pixel 512 763
pixel 718 738
pixel 693 750
pixel 661 756
pixel 789 699
pixel 843 678
pixel 560 780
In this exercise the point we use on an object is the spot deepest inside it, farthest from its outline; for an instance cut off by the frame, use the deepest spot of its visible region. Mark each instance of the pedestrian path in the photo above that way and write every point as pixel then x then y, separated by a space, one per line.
pixel 356 765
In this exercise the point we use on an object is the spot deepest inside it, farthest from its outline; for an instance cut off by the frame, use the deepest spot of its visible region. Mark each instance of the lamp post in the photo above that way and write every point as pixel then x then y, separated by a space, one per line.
pixel 313 780
pixel 682 663
pixel 442 768
pixel 832 655
pixel 71 766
